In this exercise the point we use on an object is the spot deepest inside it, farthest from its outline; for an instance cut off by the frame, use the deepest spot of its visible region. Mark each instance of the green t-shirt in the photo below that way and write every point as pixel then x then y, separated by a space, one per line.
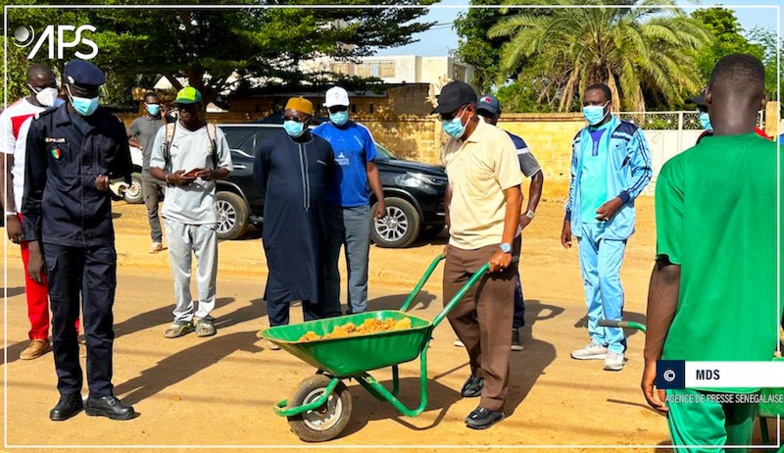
pixel 716 218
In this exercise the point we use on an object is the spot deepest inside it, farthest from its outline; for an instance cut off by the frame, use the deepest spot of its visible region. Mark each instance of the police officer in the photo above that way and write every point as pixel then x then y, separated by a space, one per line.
pixel 73 151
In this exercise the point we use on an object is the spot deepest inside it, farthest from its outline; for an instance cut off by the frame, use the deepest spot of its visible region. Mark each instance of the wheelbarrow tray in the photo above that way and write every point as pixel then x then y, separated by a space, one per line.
pixel 356 354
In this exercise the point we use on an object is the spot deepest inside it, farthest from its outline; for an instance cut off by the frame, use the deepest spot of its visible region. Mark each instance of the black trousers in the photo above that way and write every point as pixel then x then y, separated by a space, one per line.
pixel 89 272
pixel 278 311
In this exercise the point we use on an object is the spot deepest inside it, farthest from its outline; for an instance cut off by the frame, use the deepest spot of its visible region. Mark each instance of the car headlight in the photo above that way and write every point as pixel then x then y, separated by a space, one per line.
pixel 423 178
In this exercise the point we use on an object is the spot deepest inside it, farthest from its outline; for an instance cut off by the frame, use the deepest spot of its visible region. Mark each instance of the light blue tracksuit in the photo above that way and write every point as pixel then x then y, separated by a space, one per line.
pixel 602 244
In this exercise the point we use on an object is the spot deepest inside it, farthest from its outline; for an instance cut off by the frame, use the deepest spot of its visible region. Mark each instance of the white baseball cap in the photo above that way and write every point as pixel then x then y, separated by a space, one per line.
pixel 336 96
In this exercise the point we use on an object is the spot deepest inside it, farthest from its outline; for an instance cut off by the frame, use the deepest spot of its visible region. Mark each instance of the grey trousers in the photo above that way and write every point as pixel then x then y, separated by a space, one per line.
pixel 349 227
pixel 153 190
pixel 202 240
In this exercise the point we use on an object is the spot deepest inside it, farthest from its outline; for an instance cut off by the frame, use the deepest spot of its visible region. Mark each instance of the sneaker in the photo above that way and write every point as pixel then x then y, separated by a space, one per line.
pixel 472 387
pixel 517 345
pixel 481 418
pixel 36 349
pixel 272 346
pixel 156 247
pixel 205 328
pixel 613 361
pixel 178 329
pixel 592 351
pixel 458 343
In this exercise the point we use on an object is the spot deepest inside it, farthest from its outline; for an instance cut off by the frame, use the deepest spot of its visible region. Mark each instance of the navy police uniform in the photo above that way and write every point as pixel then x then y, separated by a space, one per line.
pixel 72 219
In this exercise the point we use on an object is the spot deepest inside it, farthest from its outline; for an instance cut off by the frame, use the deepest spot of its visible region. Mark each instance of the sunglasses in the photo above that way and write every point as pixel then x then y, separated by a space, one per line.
pixel 186 107
pixel 296 119
pixel 337 108
pixel 452 115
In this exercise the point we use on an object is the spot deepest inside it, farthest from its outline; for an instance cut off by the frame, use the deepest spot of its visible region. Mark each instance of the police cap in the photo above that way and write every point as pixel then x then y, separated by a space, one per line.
pixel 84 74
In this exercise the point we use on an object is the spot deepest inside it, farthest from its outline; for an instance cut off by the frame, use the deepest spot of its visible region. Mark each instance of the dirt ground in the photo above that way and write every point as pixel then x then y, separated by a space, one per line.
pixel 220 391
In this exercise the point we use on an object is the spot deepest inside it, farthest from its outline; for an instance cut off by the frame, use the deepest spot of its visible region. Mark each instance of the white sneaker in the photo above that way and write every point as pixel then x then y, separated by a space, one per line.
pixel 156 247
pixel 592 351
pixel 613 361
pixel 458 343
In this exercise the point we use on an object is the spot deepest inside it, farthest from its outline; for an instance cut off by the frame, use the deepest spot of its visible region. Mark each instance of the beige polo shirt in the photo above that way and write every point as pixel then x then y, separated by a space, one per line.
pixel 480 169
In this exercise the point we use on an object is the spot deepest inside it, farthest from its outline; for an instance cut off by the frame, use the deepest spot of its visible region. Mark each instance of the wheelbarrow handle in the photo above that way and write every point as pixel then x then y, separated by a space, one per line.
pixel 463 290
pixel 621 324
pixel 422 281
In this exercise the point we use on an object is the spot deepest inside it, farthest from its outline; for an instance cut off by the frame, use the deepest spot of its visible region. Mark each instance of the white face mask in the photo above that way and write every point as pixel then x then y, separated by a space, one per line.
pixel 45 96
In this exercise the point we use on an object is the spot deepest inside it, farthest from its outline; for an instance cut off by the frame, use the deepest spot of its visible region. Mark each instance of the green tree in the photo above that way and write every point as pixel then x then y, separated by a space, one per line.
pixel 474 46
pixel 210 47
pixel 767 40
pixel 641 53
pixel 728 39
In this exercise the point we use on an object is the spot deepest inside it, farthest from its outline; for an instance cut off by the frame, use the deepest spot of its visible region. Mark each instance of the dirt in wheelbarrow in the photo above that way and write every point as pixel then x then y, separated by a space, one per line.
pixel 220 390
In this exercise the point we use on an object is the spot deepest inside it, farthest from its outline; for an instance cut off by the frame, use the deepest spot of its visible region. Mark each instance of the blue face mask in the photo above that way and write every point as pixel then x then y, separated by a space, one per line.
pixel 83 106
pixel 339 118
pixel 454 127
pixel 154 109
pixel 705 121
pixel 293 128
pixel 594 114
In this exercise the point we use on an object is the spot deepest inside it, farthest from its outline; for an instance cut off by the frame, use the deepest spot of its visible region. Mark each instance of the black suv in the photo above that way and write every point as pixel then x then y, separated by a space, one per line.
pixel 414 192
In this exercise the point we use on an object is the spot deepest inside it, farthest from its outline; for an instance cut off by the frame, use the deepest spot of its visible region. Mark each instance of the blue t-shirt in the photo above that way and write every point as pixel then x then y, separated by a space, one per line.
pixel 593 180
pixel 353 147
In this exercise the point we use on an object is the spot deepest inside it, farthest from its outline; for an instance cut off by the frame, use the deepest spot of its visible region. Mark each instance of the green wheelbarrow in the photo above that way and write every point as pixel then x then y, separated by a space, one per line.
pixel 321 406
pixel 766 409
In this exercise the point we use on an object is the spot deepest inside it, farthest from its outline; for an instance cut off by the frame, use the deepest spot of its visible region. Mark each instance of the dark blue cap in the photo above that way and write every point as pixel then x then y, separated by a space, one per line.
pixel 488 102
pixel 80 72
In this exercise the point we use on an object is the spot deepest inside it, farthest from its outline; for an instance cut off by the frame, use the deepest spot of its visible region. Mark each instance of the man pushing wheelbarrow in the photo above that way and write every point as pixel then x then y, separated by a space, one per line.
pixel 482 213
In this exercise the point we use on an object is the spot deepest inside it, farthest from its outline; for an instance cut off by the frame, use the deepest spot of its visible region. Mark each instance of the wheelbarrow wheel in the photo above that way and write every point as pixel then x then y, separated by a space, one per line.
pixel 327 421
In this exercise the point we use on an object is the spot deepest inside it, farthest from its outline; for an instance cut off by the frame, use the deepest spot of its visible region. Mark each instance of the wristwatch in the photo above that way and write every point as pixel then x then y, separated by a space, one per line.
pixel 506 247
pixel 530 214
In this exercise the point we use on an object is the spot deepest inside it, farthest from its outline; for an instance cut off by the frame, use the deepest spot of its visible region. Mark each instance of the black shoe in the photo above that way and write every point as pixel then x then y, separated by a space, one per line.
pixel 109 406
pixel 482 418
pixel 517 345
pixel 472 387
pixel 67 407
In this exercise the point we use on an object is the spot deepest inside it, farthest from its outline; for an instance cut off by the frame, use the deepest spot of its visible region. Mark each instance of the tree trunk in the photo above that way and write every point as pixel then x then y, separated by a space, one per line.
pixel 616 99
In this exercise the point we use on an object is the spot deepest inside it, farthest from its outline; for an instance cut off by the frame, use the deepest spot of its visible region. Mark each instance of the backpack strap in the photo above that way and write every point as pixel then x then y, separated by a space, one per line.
pixel 170 128
pixel 213 134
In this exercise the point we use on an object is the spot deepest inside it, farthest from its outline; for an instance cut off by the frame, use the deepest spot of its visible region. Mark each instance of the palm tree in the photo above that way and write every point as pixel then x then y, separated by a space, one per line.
pixel 632 50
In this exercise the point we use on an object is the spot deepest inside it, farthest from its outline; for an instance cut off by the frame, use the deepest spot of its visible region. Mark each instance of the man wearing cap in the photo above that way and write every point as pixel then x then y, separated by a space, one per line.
pixel 72 154
pixel 349 220
pixel 293 170
pixel 483 213
pixel 189 155
pixel 705 121
pixel 489 110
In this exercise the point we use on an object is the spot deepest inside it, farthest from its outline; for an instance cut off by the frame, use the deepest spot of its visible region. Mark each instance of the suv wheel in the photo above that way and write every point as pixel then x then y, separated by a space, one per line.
pixel 134 195
pixel 232 215
pixel 399 228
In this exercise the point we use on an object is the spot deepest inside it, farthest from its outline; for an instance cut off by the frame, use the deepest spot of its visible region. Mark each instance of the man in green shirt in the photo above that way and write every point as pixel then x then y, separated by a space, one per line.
pixel 713 287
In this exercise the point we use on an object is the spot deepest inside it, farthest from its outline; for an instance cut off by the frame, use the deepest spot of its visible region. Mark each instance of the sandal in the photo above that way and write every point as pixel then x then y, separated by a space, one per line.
pixel 204 328
pixel 178 329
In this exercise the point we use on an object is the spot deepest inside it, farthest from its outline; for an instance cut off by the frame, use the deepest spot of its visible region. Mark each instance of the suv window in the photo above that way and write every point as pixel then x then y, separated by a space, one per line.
pixel 245 139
